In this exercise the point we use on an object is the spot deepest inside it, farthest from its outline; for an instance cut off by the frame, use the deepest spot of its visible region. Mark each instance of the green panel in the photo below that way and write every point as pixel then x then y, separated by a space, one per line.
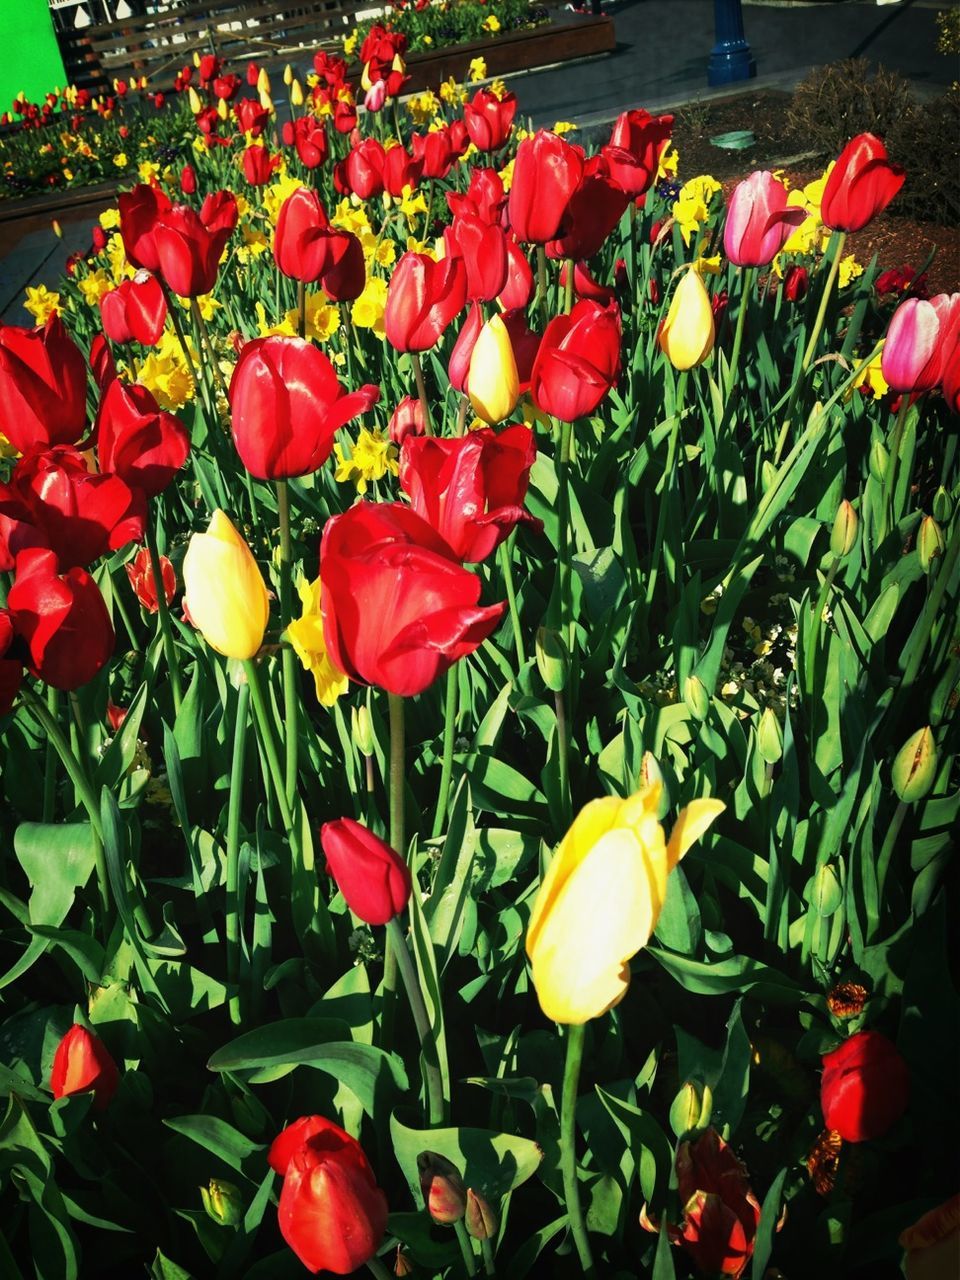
pixel 31 56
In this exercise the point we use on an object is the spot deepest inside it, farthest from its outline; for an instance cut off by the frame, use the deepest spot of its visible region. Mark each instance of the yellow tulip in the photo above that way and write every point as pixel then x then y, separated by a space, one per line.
pixel 687 335
pixel 196 106
pixel 600 900
pixel 223 110
pixel 263 82
pixel 296 94
pixel 492 382
pixel 288 74
pixel 224 590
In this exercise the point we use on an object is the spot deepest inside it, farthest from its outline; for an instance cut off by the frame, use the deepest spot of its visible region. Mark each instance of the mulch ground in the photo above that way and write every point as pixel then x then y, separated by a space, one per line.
pixel 897 240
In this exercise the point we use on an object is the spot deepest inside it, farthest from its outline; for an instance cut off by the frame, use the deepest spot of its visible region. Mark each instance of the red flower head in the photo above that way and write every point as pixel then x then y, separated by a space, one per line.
pixel 140 573
pixel 43 386
pixel 951 379
pixel 592 212
pixel 361 172
pixel 331 69
pixel 253 73
pixel 188 180
pixel 546 173
pixel 345 114
pixel 585 286
pixel 864 1087
pixel 287 406
pixel 578 361
pixel 637 141
pixel 82 1063
pixel 137 440
pixel 135 311
pixel 209 67
pixel 483 249
pixel 489 119
pixel 189 250
pixel 251 117
pixel 345 275
pixel 423 299
pixel 796 282
pixel 332 1214
pixel 400 170
pixel 459 364
pixel 258 165
pixel 219 211
pixel 759 220
pixel 525 343
pixel 139 211
pixel 720 1212
pixel 374 880
pixel 398 610
pixel 310 139
pixel 226 87
pixel 861 184
pixel 62 619
pixel 471 488
pixel 406 420
pixel 81 515
pixel 433 152
pixel 519 287
pixel 302 240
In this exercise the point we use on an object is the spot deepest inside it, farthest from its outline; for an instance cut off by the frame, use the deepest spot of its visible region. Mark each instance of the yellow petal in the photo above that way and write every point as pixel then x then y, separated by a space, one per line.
pixel 492 382
pixel 690 825
pixel 224 590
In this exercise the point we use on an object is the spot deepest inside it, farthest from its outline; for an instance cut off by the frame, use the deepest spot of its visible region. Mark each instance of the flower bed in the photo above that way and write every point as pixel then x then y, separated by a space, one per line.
pixel 477 674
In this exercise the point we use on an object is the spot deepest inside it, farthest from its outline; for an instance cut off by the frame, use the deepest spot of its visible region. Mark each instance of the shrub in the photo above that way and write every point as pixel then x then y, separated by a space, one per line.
pixel 926 141
pixel 842 99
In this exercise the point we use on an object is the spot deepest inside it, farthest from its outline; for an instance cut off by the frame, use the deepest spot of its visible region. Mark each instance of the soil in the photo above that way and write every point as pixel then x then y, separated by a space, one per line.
pixel 897 240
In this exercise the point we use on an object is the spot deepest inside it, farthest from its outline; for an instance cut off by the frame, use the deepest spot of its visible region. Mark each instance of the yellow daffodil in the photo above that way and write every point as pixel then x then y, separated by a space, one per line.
pixel 166 375
pixel 491 24
pixel 120 160
pixel 600 899
pixel 349 44
pixel 367 310
pixel 492 381
pixel 687 334
pixel 41 303
pixel 373 456
pixel 849 270
pixel 693 204
pixel 94 286
pixel 306 635
pixel 477 70
pixel 871 377
pixel 224 590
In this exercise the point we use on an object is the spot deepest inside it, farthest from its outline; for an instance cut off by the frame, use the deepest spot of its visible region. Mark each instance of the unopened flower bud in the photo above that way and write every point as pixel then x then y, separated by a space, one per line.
pixel 930 543
pixel 223 1203
pixel 552 659
pixel 845 527
pixel 222 109
pixel 695 697
pixel 768 473
pixel 296 94
pixel 57 229
pixel 361 730
pixel 196 106
pixel 691 1109
pixel 288 74
pixel 441 1187
pixel 402 1266
pixel 879 460
pixel 650 772
pixel 827 892
pixel 942 506
pixel 770 736
pixel 915 766
pixel 481 1219
pixel 263 81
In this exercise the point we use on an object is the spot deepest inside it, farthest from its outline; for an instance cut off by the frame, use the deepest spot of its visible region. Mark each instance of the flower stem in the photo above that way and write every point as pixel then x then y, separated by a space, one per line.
pixel 291 708
pixel 422 393
pixel 269 744
pixel 466 1248
pixel 211 359
pixel 489 1264
pixel 567 625
pixel 398 843
pixel 376 1267
pixel 888 520
pixel 563 749
pixel 568 289
pixel 432 1079
pixel 542 282
pixel 50 762
pixel 669 475
pixel 233 851
pixel 886 849
pixel 163 615
pixel 568 1155
pixel 506 564
pixel 301 309
pixel 446 769
pixel 745 296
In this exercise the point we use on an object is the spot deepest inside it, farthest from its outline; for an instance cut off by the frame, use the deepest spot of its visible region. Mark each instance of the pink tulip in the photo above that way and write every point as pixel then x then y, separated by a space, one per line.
pixel 759 222
pixel 919 341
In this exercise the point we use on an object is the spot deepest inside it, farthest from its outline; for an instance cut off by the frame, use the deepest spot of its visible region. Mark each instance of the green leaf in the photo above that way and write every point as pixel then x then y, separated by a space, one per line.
pixel 769 1217
pixel 163 1269
pixel 493 1162
pixel 663 1268
pixel 223 1141
pixel 119 756
pixel 732 973
pixel 647 1142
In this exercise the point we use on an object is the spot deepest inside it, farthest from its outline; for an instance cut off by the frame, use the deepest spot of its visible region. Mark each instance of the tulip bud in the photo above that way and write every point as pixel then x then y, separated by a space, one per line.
pixel 263 82
pixel 296 94
pixel 650 773
pixel 879 460
pixel 222 109
pixel 492 381
pixel 942 506
pixel 481 1219
pixel 196 58
pixel 196 106
pixel 441 1187
pixel 224 590
pixel 288 74
pixel 361 730
pixel 768 474
pixel 57 229
pixel 930 543
pixel 687 334
pixel 402 1266
pixel 552 659
pixel 826 891
pixel 266 101
pixel 696 698
pixel 692 1108
pixel 770 737
pixel 223 1203
pixel 915 766
pixel 845 528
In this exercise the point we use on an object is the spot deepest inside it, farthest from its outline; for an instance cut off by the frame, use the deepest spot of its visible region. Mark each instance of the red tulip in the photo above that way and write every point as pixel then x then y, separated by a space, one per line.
pixel 226 87
pixel 759 220
pixel 484 198
pixel 11 669
pixel 433 152
pixel 489 119
pixel 423 299
pixel 519 286
pixel 139 211
pixel 330 68
pixel 374 880
pixel 902 280
pixel 188 251
pixel 188 180
pixel 458 365
pixel 81 515
pixel 310 139
pixel 406 420
pixel 578 361
pixel 43 386
pixel 16 534
pixel 400 170
pixel 136 311
pixel 912 357
pixel 345 276
pixel 62 619
pixel 861 184
pixel 525 343
pixel 720 1212
pixel 251 117
pixel 219 211
pixel 253 73
pixel 796 282
pixel 209 67
pixel 361 172
pixel 102 363
pixel 82 1063
pixel 592 212
pixel 546 173
pixel 140 573
pixel 345 115
pixel 864 1087
pixel 137 440
pixel 332 1214
pixel 398 610
pixel 637 141
pixel 585 286
pixel 258 165
pixel 471 488
pixel 301 243
pixel 483 249
pixel 287 406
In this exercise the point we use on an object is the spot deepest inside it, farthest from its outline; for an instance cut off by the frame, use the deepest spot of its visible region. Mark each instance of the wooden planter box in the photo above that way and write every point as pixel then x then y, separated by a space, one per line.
pixel 54 203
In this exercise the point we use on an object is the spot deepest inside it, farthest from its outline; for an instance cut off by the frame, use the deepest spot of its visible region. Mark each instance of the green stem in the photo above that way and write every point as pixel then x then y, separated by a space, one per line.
pixel 50 761
pixel 886 849
pixel 301 309
pixel 462 410
pixel 563 749
pixel 269 744
pixel 542 282
pixel 745 296
pixel 82 786
pixel 376 1267
pixel 446 769
pixel 823 596
pixel 291 706
pixel 563 519
pixel 888 499
pixel 163 615
pixel 568 289
pixel 486 1248
pixel 432 1079
pixel 211 359
pixel 233 851
pixel 506 565
pixel 466 1248
pixel 422 393
pixel 669 476
pixel 568 1154
pixel 398 843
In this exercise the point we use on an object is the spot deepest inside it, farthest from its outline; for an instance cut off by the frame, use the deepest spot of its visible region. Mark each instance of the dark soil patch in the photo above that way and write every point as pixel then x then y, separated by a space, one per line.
pixel 897 240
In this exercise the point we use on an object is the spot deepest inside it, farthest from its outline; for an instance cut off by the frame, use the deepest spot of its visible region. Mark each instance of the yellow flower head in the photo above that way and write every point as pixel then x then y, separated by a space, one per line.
pixel 41 303
pixel 120 160
pixel 166 375
pixel 493 380
pixel 477 70
pixel 600 900
pixel 491 24
pixel 110 218
pixel 367 310
pixel 224 590
pixel 451 93
pixel 306 635
pixel 94 286
pixel 850 268
pixel 872 378
pixel 693 204
pixel 147 170
pixel 687 334
pixel 349 44
pixel 372 457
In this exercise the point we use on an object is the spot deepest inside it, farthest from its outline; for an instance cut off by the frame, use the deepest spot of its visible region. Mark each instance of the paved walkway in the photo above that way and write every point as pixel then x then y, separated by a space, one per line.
pixel 663 47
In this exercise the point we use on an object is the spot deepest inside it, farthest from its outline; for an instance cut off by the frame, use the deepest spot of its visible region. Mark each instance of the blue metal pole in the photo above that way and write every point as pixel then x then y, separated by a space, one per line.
pixel 730 58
